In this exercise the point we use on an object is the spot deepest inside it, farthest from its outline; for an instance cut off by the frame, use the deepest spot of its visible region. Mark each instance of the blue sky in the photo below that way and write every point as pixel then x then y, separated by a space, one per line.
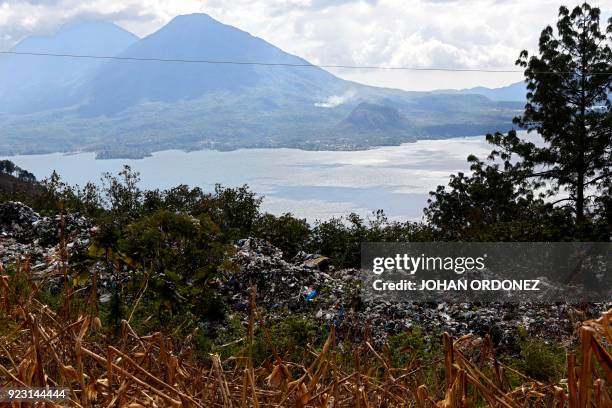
pixel 427 33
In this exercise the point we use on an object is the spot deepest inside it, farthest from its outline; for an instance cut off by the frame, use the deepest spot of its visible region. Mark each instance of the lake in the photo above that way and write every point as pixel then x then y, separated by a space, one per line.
pixel 309 184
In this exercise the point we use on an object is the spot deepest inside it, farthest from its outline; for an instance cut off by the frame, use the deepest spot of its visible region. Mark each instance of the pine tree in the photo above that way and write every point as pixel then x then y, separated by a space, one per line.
pixel 568 105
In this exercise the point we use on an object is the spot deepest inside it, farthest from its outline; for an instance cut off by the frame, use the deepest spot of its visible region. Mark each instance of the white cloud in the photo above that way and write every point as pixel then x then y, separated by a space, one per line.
pixel 431 33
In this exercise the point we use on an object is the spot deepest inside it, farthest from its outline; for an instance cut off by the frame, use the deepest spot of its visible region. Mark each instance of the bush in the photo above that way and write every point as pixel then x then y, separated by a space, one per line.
pixel 286 232
pixel 233 209
pixel 542 361
pixel 341 238
pixel 290 337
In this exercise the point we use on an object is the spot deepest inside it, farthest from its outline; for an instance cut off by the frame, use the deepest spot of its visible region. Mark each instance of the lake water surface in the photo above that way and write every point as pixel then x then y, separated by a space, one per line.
pixel 310 184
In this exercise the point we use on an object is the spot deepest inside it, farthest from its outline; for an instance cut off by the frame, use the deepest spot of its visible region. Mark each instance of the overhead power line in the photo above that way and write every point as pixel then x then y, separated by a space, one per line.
pixel 283 64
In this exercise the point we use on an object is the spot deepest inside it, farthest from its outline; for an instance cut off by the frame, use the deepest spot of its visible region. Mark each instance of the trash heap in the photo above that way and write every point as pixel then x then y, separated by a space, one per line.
pixel 291 286
pixel 334 297
pixel 308 285
pixel 25 234
pixel 18 221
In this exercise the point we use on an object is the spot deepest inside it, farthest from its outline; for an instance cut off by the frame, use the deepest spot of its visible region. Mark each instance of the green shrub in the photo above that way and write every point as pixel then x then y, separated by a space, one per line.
pixel 541 360
pixel 286 232
pixel 290 337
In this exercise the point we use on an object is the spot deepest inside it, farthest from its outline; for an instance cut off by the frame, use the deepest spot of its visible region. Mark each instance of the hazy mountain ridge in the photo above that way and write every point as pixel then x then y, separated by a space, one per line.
pixel 119 85
pixel 383 123
pixel 124 108
pixel 513 92
pixel 36 83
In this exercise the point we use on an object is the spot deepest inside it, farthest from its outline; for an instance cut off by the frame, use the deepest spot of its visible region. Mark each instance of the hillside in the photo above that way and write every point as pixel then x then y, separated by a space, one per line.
pixel 12 185
pixel 31 84
pixel 514 92
pixel 385 124
pixel 289 334
pixel 120 85
pixel 129 108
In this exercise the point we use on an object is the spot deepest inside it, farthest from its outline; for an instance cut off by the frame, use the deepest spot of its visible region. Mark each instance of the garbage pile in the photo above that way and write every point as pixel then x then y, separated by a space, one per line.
pixel 18 221
pixel 335 297
pixel 292 286
pixel 26 234
pixel 308 285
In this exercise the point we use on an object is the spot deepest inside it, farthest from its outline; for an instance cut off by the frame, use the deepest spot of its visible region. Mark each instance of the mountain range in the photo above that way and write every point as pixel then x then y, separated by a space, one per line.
pixel 136 104
pixel 513 92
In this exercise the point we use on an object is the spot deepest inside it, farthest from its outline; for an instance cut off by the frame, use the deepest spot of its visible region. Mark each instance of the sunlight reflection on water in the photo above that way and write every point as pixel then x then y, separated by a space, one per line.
pixel 310 184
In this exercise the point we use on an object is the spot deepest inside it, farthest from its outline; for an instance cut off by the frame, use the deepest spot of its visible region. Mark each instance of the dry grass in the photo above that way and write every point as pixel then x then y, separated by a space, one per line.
pixel 41 347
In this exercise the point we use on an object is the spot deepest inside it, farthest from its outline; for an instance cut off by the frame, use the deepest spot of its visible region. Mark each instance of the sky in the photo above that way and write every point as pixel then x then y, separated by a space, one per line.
pixel 487 34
